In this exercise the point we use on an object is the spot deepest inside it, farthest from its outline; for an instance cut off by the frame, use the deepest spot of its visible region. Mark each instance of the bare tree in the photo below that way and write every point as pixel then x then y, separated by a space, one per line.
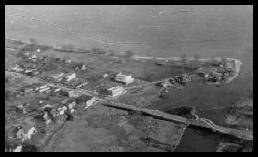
pixel 33 41
pixel 183 57
pixel 68 47
pixel 111 53
pixel 196 57
pixel 6 80
pixel 83 50
pixel 98 50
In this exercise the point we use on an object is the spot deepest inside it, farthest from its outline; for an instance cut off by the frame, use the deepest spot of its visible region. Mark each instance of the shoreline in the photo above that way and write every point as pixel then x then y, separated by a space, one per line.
pixel 236 69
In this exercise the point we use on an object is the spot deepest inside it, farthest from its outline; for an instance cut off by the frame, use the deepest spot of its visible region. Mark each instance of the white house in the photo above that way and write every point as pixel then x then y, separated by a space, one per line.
pixel 44 89
pixel 57 90
pixel 124 78
pixel 58 77
pixel 33 57
pixel 30 132
pixel 105 75
pixel 62 110
pixel 90 102
pixel 70 76
pixel 83 67
pixel 73 94
pixel 18 149
pixel 17 68
pixel 38 50
pixel 68 61
pixel 26 136
pixel 71 105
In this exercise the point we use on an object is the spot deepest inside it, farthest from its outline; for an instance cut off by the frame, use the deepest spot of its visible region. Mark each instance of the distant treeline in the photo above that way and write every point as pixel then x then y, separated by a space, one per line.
pixel 33 45
pixel 72 49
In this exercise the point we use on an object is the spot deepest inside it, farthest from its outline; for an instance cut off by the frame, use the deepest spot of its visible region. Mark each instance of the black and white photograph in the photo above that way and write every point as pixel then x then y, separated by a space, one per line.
pixel 129 78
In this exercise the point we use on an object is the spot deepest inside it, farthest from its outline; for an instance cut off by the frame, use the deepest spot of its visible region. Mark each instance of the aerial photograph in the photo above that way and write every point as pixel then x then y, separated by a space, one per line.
pixel 129 78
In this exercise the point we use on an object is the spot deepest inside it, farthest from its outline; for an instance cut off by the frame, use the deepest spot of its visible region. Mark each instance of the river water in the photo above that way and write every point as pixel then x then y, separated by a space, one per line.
pixel 198 140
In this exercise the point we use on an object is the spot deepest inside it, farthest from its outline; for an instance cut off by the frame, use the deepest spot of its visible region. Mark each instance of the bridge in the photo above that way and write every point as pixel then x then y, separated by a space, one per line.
pixel 206 123
pixel 199 122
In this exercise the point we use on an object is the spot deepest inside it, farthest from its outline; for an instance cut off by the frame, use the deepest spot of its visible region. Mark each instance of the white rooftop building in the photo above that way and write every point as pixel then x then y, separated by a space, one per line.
pixel 58 77
pixel 44 89
pixel 68 61
pixel 90 102
pixel 33 57
pixel 74 94
pixel 26 136
pixel 83 67
pixel 70 76
pixel 17 68
pixel 115 91
pixel 62 110
pixel 124 78
pixel 18 149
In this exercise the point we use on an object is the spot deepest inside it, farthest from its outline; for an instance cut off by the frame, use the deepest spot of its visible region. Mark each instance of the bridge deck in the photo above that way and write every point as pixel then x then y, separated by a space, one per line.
pixel 201 122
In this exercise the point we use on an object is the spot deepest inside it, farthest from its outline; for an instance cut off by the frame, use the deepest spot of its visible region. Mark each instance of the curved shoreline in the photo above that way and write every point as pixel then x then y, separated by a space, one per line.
pixel 236 66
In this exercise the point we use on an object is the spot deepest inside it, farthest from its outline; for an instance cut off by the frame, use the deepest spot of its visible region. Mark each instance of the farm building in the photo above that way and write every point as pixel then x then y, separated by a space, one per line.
pixel 74 94
pixel 115 91
pixel 124 78
pixel 70 76
pixel 58 76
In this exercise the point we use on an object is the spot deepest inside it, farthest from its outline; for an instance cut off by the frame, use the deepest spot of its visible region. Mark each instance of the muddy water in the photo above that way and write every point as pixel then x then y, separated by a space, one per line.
pixel 195 140
pixel 200 140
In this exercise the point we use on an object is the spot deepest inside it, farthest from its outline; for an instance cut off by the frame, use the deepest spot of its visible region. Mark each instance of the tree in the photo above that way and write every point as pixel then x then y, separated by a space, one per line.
pixel 68 47
pixel 183 57
pixel 6 80
pixel 83 50
pixel 7 94
pixel 196 57
pixel 111 53
pixel 33 41
pixel 98 51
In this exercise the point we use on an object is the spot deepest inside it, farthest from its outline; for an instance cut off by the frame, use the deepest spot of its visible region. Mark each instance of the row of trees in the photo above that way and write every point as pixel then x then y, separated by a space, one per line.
pixel 71 47
pixel 184 57
pixel 127 54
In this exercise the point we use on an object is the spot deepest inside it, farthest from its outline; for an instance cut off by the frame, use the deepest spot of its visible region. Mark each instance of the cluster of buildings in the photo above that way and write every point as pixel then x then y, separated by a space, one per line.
pixel 176 81
pixel 25 134
pixel 17 68
pixel 51 112
pixel 26 71
pixel 91 102
pixel 212 75
pixel 70 79
pixel 117 90
pixel 38 88
pixel 58 77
